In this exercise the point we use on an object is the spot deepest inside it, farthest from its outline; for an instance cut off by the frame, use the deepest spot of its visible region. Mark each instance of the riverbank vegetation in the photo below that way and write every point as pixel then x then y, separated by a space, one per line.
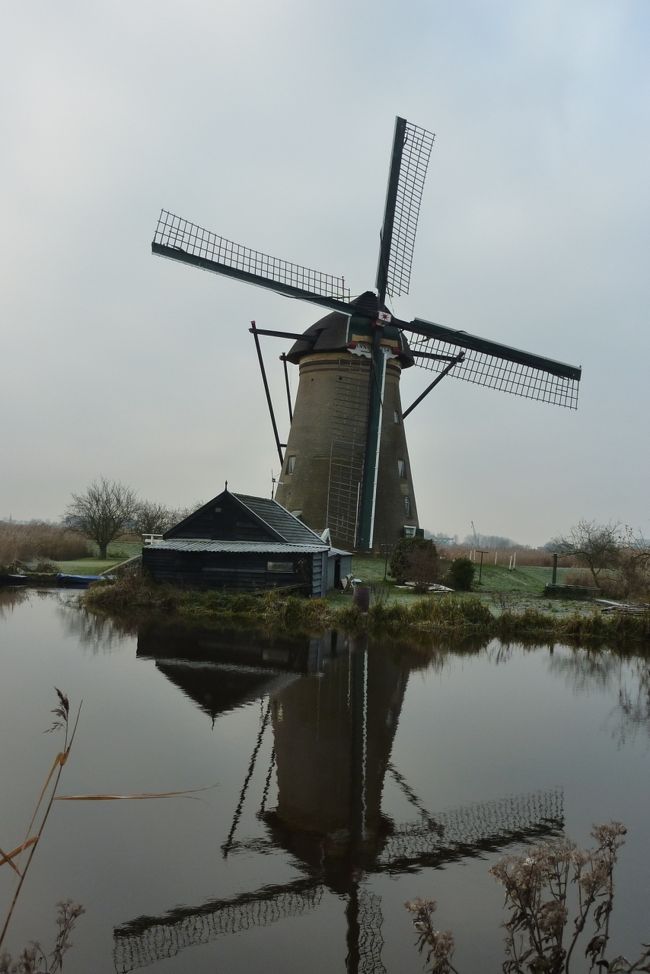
pixel 452 615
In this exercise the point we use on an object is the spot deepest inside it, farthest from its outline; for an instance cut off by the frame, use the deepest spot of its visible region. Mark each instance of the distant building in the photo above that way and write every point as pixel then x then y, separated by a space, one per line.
pixel 241 543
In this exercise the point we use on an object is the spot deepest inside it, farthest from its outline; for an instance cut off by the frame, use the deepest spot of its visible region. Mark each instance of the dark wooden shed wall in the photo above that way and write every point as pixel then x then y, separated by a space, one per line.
pixel 240 571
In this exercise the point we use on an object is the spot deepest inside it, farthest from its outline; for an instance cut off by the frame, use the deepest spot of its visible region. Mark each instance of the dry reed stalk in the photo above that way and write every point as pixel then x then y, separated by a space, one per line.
pixel 68 912
pixel 62 712
pixel 137 796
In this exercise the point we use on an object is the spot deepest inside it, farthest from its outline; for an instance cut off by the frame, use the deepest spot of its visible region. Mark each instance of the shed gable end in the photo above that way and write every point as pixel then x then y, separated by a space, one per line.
pixel 223 518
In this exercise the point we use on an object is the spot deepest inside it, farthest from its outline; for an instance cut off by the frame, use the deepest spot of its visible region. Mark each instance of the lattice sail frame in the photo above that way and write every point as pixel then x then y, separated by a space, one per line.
pixel 149 940
pixel 181 235
pixel 464 831
pixel 416 152
pixel 496 372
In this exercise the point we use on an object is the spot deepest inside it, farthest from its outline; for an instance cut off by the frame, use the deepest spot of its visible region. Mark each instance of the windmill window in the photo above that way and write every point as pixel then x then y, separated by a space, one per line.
pixel 291 464
pixel 407 505
pixel 401 468
pixel 396 417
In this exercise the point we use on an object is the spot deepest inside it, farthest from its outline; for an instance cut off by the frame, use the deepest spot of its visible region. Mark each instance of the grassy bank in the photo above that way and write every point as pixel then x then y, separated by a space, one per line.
pixel 451 616
pixel 118 551
pixel 495 580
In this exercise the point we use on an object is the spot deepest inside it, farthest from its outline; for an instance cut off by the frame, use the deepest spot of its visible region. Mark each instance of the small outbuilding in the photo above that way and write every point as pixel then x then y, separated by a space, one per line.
pixel 339 567
pixel 241 543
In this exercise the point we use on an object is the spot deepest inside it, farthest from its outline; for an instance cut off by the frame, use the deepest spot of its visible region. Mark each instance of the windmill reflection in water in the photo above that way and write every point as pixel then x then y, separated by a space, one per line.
pixel 332 708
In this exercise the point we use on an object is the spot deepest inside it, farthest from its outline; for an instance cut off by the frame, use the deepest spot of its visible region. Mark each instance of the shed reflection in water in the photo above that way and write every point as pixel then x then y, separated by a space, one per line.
pixel 333 709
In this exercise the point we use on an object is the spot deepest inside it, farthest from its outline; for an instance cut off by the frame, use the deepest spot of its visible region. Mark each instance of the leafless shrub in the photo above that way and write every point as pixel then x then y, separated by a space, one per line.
pixel 579 577
pixel 634 566
pixel 595 545
pixel 536 890
pixel 33 959
pixel 538 887
pixel 438 944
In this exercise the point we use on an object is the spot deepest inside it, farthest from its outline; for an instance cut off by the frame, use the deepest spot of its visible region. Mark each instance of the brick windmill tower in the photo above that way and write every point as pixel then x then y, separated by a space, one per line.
pixel 322 473
pixel 345 465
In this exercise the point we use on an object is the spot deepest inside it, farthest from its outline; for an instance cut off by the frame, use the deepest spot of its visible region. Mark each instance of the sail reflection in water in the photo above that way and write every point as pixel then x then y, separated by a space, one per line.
pixel 333 709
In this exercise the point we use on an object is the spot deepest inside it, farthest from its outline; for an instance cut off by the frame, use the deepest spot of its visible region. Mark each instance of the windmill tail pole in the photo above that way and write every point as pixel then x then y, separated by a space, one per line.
pixel 253 331
pixel 286 383
pixel 455 360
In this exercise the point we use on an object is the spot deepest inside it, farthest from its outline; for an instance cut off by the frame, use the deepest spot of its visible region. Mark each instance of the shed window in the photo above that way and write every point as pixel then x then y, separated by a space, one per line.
pixel 401 468
pixel 291 464
pixel 279 566
pixel 407 505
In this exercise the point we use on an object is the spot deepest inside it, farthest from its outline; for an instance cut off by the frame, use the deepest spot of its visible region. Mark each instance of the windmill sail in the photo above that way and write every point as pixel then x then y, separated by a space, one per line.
pixel 149 940
pixel 467 831
pixel 496 366
pixel 408 169
pixel 189 243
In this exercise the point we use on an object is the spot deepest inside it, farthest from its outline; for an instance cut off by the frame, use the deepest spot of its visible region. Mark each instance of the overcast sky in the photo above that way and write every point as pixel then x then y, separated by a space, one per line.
pixel 271 123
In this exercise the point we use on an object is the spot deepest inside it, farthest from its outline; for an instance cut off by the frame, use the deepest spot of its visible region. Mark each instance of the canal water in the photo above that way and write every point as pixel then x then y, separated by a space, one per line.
pixel 343 777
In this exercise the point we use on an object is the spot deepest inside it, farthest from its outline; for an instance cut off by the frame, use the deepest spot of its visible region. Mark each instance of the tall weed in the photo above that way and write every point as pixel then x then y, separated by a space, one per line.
pixel 543 887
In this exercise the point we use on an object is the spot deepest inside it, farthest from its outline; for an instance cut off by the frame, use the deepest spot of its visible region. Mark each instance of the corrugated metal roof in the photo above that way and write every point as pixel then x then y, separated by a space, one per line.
pixel 261 547
pixel 280 520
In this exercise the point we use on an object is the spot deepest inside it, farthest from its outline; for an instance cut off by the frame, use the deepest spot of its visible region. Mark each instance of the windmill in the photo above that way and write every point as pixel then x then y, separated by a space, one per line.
pixel 345 464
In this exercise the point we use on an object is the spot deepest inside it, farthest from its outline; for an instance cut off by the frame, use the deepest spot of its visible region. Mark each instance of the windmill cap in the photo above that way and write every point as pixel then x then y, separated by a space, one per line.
pixel 331 333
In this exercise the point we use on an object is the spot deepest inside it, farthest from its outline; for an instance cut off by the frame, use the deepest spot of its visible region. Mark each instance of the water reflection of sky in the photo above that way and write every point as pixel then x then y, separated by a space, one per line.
pixel 449 744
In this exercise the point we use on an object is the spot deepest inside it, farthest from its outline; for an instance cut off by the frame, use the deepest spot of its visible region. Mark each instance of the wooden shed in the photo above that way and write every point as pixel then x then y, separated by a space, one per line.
pixel 240 543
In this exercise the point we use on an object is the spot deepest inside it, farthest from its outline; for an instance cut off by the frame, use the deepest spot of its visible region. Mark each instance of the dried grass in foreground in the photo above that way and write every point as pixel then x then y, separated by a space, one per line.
pixel 33 959
pixel 539 937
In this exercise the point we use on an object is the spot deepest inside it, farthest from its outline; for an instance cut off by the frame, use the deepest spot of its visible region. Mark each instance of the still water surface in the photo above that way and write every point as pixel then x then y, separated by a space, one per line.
pixel 348 777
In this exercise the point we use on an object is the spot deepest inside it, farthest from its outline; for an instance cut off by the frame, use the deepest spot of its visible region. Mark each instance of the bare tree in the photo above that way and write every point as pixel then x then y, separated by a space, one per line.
pixel 103 512
pixel 152 518
pixel 635 564
pixel 597 546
